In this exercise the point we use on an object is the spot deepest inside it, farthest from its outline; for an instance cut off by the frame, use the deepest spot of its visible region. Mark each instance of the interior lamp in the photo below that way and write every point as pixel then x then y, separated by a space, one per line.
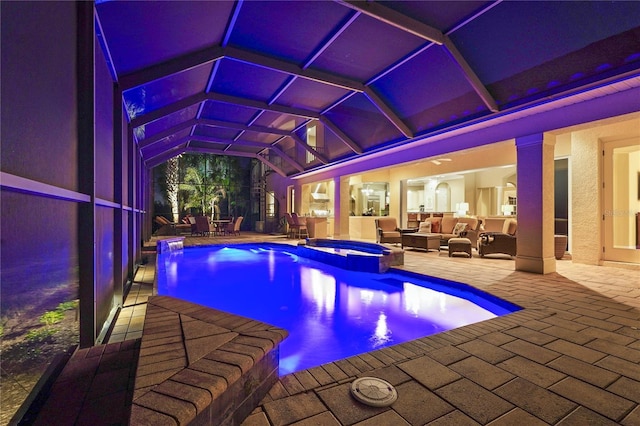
pixel 507 209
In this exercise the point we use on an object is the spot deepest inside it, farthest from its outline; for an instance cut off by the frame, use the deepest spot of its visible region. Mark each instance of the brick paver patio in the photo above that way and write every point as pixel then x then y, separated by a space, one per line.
pixel 570 357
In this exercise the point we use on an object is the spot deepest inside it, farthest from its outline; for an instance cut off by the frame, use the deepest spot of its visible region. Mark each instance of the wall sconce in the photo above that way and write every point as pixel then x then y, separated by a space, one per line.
pixel 507 209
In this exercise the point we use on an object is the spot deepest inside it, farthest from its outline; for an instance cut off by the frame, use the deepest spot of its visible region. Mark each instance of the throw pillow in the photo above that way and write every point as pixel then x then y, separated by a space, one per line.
pixel 459 228
pixel 425 227
pixel 435 227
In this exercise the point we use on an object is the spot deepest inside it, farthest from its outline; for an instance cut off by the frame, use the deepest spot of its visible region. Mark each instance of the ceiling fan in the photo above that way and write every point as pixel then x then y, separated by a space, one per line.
pixel 439 161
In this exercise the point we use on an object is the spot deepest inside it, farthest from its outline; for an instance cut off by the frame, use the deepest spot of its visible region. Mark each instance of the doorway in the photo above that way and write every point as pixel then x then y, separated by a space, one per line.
pixel 443 197
pixel 621 201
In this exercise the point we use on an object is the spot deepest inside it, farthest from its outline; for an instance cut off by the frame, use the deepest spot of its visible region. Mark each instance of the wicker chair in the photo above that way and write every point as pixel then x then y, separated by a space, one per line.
pixel 496 242
pixel 233 227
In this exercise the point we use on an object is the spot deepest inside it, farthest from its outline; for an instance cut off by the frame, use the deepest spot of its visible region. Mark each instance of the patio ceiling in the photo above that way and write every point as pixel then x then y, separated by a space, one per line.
pixel 300 84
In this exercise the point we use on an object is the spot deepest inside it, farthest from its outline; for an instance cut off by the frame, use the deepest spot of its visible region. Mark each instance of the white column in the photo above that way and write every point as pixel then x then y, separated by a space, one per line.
pixel 341 215
pixel 297 197
pixel 535 204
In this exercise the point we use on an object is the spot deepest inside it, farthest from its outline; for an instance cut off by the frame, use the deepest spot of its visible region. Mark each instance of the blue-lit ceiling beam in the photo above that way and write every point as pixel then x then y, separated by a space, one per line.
pixel 268 130
pixel 146 142
pixel 388 112
pixel 250 103
pixel 326 43
pixel 229 125
pixel 169 109
pixel 470 75
pixel 426 32
pixel 172 66
pixel 319 77
pixel 396 19
pixel 232 22
pixel 340 134
pixel 285 67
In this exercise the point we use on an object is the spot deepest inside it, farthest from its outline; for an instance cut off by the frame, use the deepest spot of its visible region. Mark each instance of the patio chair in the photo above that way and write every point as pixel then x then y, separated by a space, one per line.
pixel 300 224
pixel 291 225
pixel 202 226
pixel 233 227
pixel 496 243
pixel 387 230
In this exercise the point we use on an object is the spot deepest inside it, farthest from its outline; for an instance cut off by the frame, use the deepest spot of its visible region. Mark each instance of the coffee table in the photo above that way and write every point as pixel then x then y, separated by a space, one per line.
pixel 424 241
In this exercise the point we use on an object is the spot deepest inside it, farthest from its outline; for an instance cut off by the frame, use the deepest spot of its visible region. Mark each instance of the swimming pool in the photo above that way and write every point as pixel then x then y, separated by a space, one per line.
pixel 330 313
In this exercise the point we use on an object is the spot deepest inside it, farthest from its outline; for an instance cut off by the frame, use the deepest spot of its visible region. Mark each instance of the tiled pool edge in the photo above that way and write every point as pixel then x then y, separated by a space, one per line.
pixel 202 366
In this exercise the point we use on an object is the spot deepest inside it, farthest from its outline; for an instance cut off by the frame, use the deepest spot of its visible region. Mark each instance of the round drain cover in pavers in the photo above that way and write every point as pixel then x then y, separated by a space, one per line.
pixel 373 391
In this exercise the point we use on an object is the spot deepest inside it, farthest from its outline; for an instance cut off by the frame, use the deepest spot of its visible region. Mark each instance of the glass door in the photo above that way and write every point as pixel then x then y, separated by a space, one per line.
pixel 621 201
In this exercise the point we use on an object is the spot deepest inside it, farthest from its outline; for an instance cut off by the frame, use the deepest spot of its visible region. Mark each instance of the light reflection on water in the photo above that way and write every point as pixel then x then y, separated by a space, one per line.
pixel 330 313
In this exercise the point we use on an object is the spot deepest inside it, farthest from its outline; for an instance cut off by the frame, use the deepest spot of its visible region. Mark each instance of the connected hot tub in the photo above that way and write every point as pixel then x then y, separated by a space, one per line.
pixel 351 255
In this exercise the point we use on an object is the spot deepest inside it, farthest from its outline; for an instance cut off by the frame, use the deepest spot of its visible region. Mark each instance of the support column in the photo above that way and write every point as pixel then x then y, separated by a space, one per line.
pixel 535 209
pixel 297 197
pixel 85 85
pixel 341 204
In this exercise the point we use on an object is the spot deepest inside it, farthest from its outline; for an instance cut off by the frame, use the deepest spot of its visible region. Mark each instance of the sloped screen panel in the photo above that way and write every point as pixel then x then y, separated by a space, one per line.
pixel 244 80
pixel 168 121
pixel 269 27
pixel 311 95
pixel 160 93
pixel 442 15
pixel 216 132
pixel 604 59
pixel 429 91
pixel 165 144
pixel 266 138
pixel 350 57
pixel 363 122
pixel 279 121
pixel 161 30
pixel 207 145
pixel 227 112
pixel 569 37
pixel 334 148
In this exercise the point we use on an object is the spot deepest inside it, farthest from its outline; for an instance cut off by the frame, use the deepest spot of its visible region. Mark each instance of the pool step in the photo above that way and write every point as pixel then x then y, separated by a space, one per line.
pixel 202 366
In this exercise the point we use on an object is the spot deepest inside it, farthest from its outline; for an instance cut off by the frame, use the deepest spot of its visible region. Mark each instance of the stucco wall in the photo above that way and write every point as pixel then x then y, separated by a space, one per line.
pixel 586 178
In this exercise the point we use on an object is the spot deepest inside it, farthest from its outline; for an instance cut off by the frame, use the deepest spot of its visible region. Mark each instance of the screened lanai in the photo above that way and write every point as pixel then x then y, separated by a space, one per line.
pixel 251 78
pixel 95 95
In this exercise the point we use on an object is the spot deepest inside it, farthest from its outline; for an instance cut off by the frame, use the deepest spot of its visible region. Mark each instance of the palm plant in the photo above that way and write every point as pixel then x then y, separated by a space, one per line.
pixel 172 186
pixel 203 192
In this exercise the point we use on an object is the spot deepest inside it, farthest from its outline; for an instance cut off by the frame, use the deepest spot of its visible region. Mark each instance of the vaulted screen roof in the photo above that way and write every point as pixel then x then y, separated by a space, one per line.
pixel 299 84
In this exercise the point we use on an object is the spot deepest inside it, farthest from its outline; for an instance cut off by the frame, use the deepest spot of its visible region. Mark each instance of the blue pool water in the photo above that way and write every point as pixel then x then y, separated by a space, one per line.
pixel 330 313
